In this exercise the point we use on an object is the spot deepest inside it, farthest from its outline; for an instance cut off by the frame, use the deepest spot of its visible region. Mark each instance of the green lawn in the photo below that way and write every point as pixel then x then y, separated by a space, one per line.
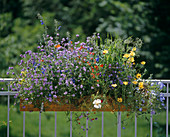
pixel 48 125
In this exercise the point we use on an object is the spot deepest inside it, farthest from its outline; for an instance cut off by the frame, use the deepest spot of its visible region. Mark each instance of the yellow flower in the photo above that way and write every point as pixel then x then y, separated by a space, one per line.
pixel 105 51
pixel 119 99
pixel 114 85
pixel 134 49
pixel 125 83
pixel 138 75
pixel 133 63
pixel 135 82
pixel 140 85
pixel 132 53
pixel 143 62
pixel 126 55
pixel 131 59
pixel 24 73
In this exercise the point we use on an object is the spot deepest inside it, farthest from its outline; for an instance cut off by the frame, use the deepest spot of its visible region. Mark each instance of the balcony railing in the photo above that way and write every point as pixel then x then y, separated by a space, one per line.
pixel 11 93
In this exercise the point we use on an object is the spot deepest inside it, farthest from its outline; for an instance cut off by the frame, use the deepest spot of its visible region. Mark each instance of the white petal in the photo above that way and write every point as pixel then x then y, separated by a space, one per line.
pixel 99 106
pixel 96 106
pixel 98 101
pixel 94 102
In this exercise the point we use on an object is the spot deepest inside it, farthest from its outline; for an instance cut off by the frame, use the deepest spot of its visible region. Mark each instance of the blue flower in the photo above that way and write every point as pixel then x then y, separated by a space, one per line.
pixel 42 23
pixel 59 27
pixel 140 109
pixel 161 85
pixel 97 59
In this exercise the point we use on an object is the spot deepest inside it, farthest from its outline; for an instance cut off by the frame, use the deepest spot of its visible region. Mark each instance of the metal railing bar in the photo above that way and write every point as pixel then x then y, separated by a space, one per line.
pixel 6 79
pixel 154 80
pixel 24 124
pixel 135 124
pixel 160 80
pixel 39 124
pixel 8 92
pixel 70 123
pixel 151 126
pixel 87 125
pixel 102 123
pixel 8 113
pixel 119 124
pixel 167 107
pixel 55 124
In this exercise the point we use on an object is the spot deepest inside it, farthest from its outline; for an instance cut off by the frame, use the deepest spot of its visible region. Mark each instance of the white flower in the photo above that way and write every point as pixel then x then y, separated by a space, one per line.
pixel 97 103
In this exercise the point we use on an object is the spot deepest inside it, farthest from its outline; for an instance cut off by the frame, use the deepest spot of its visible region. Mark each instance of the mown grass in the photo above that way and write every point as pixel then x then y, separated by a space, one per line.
pixel 63 129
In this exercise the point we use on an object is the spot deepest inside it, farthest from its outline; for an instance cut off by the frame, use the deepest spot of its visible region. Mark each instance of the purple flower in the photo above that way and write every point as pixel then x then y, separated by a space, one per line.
pixel 140 109
pixel 26 99
pixel 54 96
pixel 92 87
pixel 65 93
pixel 73 95
pixel 7 73
pixel 84 68
pixel 77 35
pixel 98 85
pixel 152 83
pixel 13 73
pixel 81 86
pixel 51 87
pixel 50 99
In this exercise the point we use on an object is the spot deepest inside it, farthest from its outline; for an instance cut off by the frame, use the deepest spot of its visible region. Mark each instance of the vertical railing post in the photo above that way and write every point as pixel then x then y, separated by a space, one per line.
pixel 167 107
pixel 24 124
pixel 70 123
pixel 135 124
pixel 40 124
pixel 87 125
pixel 55 124
pixel 151 127
pixel 8 111
pixel 102 123
pixel 119 124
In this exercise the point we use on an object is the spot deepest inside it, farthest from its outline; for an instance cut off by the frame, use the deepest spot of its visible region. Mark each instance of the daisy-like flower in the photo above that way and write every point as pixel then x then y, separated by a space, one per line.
pixel 125 83
pixel 132 53
pixel 105 51
pixel 138 75
pixel 143 62
pixel 57 46
pixel 135 82
pixel 134 49
pixel 140 85
pixel 97 103
pixel 119 99
pixel 114 85
pixel 131 59
pixel 126 55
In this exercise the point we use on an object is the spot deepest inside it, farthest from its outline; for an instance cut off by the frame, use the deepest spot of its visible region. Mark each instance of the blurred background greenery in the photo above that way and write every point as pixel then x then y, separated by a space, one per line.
pixel 20 30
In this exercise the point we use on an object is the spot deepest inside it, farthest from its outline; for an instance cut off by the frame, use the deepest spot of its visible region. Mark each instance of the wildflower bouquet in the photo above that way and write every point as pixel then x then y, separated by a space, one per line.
pixel 91 74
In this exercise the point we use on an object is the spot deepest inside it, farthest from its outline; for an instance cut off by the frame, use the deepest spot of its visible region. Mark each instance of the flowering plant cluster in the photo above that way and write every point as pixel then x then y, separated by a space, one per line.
pixel 102 71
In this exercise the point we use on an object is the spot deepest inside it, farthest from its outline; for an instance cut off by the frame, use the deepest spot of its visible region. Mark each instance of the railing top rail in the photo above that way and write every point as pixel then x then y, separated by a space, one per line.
pixel 154 80
pixel 6 79
pixel 160 80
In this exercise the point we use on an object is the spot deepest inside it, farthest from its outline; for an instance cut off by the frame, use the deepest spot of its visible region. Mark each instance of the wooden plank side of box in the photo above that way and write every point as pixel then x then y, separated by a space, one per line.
pixel 70 107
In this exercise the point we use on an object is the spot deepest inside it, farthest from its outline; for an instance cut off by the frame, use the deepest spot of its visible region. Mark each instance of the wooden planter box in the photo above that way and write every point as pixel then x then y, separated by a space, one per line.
pixel 69 107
